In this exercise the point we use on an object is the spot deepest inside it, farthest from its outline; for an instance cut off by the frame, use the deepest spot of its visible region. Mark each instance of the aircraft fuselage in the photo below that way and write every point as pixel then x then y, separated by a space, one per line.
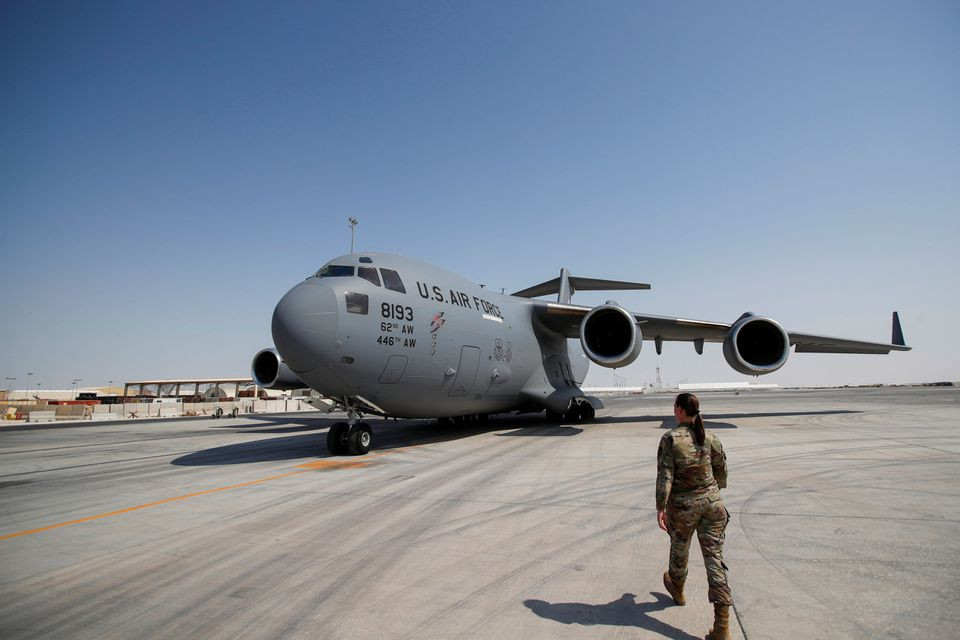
pixel 431 345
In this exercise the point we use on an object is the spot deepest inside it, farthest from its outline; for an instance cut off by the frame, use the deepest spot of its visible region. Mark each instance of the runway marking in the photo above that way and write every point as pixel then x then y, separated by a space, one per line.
pixel 331 465
pixel 317 465
pixel 147 505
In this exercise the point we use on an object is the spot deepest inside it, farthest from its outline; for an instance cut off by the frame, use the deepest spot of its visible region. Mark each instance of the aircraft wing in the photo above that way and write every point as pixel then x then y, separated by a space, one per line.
pixel 808 343
pixel 565 319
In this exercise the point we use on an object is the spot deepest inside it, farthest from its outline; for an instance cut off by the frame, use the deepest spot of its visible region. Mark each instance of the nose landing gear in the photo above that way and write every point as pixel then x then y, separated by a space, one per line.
pixel 355 440
pixel 353 437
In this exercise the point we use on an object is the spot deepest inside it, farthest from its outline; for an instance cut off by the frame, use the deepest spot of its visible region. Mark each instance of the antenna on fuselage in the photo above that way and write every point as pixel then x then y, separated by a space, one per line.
pixel 353 225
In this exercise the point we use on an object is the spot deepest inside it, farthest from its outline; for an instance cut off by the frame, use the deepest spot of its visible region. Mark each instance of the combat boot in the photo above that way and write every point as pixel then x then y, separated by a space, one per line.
pixel 675 589
pixel 721 623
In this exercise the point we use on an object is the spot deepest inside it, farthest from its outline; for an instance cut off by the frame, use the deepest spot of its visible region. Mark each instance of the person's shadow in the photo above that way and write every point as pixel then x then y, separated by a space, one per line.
pixel 623 612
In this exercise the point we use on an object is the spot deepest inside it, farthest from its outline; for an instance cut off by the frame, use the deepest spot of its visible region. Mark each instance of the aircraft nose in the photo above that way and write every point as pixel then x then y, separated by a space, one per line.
pixel 305 325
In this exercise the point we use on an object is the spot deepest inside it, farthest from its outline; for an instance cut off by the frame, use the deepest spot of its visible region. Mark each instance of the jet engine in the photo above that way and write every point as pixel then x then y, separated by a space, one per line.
pixel 270 372
pixel 756 346
pixel 610 336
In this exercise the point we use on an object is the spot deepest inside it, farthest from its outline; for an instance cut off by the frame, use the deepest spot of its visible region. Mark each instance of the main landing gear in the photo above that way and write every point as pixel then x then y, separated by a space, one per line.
pixel 580 410
pixel 353 437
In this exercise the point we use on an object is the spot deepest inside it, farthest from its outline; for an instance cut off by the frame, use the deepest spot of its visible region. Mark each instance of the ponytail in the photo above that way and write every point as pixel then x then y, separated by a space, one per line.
pixel 691 406
pixel 699 435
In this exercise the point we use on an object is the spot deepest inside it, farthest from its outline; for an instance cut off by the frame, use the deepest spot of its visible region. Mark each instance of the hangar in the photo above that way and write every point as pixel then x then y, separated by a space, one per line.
pixel 202 388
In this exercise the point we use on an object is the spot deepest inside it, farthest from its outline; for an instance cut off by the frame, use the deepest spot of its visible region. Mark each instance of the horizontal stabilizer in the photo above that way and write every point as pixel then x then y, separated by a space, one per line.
pixel 579 284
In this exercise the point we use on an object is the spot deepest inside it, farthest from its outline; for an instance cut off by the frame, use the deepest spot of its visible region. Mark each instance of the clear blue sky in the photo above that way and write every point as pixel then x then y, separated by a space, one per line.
pixel 168 170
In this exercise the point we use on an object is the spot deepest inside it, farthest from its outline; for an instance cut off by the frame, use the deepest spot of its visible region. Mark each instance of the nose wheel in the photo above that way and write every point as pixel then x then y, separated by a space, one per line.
pixel 337 438
pixel 360 438
pixel 343 439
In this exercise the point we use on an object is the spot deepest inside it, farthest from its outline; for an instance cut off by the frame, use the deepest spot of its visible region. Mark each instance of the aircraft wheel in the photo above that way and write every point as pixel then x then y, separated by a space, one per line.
pixel 337 438
pixel 587 413
pixel 360 439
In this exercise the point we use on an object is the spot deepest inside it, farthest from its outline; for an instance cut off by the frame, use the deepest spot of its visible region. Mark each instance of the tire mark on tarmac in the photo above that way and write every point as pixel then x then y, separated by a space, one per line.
pixel 608 534
pixel 89 464
pixel 504 511
pixel 817 594
pixel 423 531
pixel 345 592
pixel 180 436
pixel 155 503
pixel 324 465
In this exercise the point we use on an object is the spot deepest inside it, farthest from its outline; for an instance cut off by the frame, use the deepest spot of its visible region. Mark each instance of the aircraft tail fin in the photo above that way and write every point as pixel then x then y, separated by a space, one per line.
pixel 566 285
pixel 566 289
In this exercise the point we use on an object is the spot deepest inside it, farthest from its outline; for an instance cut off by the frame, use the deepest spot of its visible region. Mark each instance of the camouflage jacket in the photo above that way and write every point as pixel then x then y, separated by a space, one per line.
pixel 686 471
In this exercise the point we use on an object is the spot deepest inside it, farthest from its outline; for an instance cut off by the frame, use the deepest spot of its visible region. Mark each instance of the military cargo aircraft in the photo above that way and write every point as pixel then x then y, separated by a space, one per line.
pixel 385 335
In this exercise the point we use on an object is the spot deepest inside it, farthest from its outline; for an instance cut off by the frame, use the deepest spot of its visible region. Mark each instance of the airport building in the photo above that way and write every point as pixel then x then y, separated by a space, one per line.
pixel 726 386
pixel 150 399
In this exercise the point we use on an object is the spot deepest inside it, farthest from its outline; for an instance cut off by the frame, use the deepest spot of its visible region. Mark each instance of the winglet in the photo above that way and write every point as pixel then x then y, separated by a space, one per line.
pixel 897 331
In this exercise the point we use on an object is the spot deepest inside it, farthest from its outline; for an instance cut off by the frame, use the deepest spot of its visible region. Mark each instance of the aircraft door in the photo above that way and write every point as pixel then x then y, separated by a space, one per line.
pixel 466 372
pixel 394 369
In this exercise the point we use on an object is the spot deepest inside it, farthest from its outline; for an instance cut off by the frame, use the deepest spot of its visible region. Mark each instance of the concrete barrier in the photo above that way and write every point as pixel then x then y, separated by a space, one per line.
pixel 169 410
pixel 71 411
pixel 100 411
pixel 42 416
pixel 281 406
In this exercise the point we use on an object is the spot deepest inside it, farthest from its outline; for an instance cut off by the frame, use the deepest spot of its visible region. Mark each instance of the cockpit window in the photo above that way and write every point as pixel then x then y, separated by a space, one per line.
pixel 357 303
pixel 369 274
pixel 391 280
pixel 335 271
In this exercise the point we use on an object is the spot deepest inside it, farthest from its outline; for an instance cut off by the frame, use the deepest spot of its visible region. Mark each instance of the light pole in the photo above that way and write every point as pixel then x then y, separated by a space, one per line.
pixel 353 225
pixel 9 384
pixel 29 378
pixel 75 381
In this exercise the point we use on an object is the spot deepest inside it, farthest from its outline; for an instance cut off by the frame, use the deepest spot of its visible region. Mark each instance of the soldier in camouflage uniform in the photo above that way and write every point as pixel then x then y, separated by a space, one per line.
pixel 691 470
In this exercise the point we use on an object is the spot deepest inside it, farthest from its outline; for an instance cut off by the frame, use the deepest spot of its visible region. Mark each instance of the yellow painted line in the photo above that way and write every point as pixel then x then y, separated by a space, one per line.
pixel 332 465
pixel 317 465
pixel 145 506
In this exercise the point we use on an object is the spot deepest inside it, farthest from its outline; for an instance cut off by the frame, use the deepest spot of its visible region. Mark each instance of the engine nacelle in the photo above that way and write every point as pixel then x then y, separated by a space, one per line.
pixel 270 372
pixel 756 346
pixel 610 336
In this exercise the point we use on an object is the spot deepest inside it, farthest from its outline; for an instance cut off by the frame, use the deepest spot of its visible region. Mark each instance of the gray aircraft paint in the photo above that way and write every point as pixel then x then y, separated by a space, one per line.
pixel 445 347
pixel 448 347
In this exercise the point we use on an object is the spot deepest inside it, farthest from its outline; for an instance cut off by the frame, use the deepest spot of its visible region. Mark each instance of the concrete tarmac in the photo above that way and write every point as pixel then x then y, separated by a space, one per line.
pixel 845 524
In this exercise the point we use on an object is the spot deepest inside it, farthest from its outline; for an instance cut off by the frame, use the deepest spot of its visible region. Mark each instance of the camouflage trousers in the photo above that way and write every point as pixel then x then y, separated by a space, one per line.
pixel 709 520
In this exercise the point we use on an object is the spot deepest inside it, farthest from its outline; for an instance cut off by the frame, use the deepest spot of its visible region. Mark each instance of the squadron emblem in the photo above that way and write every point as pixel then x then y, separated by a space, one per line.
pixel 435 324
